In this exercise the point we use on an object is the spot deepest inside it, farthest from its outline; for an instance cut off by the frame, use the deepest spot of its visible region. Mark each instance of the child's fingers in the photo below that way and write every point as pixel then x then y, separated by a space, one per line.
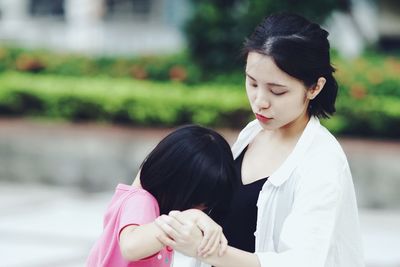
pixel 174 223
pixel 209 242
pixel 171 221
pixel 187 230
pixel 214 245
pixel 223 246
pixel 174 213
pixel 206 238
pixel 177 215
pixel 168 225
pixel 213 240
pixel 164 239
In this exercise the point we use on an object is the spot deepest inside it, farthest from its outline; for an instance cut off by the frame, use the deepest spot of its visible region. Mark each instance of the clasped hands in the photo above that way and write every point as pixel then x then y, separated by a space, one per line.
pixel 192 232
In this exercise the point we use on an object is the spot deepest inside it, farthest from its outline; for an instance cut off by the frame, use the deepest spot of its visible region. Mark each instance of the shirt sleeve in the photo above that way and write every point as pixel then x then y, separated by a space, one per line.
pixel 138 209
pixel 307 231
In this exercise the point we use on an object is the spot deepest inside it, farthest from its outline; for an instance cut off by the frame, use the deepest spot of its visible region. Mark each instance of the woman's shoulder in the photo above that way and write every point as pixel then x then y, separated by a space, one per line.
pixel 324 153
pixel 327 144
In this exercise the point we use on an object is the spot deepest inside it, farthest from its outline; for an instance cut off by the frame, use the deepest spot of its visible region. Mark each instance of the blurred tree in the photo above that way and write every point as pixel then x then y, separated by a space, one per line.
pixel 217 28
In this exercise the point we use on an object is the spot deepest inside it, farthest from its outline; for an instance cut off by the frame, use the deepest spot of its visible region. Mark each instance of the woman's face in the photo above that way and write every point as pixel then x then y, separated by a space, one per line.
pixel 277 99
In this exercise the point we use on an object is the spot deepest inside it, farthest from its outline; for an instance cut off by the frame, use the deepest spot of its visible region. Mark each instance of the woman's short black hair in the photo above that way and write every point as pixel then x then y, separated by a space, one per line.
pixel 301 49
pixel 191 166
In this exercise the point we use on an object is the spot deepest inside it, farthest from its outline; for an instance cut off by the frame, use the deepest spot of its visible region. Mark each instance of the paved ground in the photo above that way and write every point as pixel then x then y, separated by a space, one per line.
pixel 94 157
pixel 47 226
pixel 43 226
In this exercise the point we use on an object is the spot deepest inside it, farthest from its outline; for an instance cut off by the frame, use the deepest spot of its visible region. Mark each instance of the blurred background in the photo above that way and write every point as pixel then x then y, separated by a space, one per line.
pixel 88 87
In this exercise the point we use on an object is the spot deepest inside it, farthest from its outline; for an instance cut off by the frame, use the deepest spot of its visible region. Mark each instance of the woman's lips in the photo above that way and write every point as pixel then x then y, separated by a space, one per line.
pixel 262 118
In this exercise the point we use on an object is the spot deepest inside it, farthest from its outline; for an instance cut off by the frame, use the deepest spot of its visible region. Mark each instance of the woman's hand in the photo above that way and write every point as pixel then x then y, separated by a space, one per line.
pixel 183 236
pixel 213 238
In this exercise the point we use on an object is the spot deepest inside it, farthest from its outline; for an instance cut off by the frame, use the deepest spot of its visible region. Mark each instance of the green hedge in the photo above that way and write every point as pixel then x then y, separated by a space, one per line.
pixel 162 68
pixel 108 89
pixel 167 104
pixel 369 96
pixel 373 116
pixel 121 100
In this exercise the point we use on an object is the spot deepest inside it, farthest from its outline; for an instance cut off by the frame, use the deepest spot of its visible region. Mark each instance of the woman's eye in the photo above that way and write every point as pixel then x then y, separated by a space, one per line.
pixel 278 93
pixel 254 85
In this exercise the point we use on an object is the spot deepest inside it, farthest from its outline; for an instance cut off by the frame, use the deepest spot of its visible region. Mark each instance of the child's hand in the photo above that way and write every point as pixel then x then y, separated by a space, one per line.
pixel 213 237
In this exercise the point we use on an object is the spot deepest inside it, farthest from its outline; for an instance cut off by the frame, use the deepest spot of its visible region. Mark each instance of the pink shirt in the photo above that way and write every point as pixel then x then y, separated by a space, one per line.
pixel 129 206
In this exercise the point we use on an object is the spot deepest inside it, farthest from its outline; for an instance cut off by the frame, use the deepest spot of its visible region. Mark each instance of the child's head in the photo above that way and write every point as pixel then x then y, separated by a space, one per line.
pixel 193 166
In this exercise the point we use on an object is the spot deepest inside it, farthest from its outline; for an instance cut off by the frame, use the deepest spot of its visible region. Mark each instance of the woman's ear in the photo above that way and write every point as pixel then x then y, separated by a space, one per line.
pixel 316 89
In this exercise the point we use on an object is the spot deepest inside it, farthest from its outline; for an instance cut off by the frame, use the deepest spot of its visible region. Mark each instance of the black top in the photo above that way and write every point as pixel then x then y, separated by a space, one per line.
pixel 240 224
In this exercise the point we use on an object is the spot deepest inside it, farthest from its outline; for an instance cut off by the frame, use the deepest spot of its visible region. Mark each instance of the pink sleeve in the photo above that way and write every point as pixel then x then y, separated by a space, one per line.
pixel 140 208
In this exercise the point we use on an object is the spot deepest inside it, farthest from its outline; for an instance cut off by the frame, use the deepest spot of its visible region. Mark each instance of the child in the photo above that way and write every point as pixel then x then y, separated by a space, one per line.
pixel 191 169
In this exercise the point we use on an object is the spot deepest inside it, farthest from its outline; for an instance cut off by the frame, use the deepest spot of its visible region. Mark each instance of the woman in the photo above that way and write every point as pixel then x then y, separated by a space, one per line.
pixel 297 194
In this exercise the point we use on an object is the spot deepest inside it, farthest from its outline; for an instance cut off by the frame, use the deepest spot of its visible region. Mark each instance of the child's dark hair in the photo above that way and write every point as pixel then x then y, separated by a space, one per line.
pixel 301 49
pixel 190 167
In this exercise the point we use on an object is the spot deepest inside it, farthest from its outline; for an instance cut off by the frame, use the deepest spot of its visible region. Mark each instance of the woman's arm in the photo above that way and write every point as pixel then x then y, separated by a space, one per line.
pixel 137 242
pixel 233 258
pixel 213 238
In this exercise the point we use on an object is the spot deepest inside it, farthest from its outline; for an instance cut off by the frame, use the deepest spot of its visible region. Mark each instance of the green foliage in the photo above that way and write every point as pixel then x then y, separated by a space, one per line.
pixel 217 29
pixel 162 68
pixel 368 103
pixel 369 96
pixel 122 100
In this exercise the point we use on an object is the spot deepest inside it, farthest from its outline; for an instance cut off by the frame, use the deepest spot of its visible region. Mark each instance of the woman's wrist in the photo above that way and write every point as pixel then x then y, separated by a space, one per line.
pixel 232 258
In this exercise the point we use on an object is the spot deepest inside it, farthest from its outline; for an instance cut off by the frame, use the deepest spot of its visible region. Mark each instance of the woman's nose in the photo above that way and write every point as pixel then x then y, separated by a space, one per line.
pixel 262 100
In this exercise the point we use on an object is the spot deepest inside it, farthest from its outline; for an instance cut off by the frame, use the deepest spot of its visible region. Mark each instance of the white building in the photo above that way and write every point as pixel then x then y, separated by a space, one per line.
pixel 95 26
pixel 154 26
pixel 369 22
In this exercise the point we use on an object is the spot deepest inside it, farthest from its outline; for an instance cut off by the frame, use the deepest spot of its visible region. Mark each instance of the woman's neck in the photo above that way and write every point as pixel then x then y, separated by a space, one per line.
pixel 292 130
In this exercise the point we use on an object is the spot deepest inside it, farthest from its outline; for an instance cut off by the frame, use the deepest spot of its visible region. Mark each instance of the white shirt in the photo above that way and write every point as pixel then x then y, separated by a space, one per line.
pixel 307 211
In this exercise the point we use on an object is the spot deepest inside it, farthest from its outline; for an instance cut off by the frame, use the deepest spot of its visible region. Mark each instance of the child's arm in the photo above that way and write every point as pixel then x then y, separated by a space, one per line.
pixel 137 242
